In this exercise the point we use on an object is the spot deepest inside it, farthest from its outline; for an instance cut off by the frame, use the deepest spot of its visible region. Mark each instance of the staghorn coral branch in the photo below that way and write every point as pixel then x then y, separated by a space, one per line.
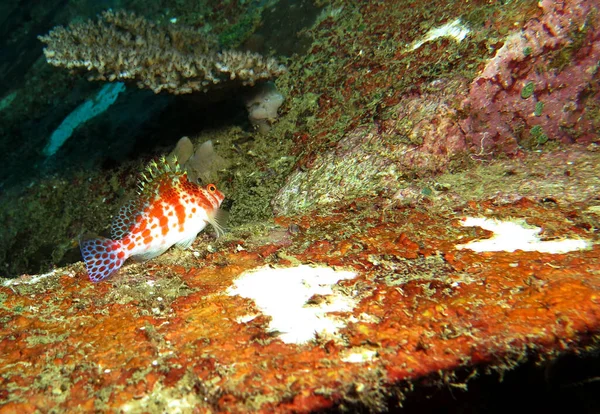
pixel 121 46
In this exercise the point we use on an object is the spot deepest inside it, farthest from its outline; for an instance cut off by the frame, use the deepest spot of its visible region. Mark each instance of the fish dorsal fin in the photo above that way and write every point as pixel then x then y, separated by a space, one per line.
pixel 125 218
pixel 156 173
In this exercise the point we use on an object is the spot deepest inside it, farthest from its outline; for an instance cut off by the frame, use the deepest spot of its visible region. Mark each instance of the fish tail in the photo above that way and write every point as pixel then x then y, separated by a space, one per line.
pixel 102 257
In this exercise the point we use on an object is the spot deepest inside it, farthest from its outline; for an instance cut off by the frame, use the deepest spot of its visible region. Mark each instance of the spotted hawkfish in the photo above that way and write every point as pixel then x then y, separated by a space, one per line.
pixel 168 210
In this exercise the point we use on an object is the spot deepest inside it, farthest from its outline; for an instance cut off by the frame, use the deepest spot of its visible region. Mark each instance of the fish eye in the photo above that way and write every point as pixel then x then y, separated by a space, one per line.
pixel 211 187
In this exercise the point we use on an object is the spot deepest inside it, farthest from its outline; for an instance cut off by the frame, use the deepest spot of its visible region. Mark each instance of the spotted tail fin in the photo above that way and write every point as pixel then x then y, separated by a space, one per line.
pixel 102 257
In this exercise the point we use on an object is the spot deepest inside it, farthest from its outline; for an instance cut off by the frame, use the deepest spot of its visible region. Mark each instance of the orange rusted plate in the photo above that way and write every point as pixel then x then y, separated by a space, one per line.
pixel 171 334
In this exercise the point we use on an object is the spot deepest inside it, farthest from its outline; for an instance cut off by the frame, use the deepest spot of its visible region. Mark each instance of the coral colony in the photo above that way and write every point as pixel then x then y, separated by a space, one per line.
pixel 121 46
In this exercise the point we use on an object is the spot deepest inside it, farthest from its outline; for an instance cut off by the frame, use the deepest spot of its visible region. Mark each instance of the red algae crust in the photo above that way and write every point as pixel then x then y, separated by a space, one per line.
pixel 542 83
pixel 382 99
pixel 167 336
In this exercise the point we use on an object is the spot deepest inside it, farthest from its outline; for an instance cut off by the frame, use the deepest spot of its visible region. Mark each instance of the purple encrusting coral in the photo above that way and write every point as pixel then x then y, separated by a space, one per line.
pixel 542 84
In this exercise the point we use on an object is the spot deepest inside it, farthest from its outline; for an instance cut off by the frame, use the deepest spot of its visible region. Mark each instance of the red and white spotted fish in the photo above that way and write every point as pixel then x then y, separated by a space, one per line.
pixel 169 210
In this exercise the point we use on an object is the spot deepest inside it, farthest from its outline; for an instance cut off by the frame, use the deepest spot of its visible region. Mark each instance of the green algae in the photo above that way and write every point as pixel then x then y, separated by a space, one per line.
pixel 539 108
pixel 44 338
pixel 537 133
pixel 528 90
pixel 235 34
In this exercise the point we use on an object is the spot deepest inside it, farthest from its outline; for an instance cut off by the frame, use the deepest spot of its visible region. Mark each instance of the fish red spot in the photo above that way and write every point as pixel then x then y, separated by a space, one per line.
pixel 165 230
pixel 146 233
pixel 163 221
pixel 121 254
pixel 148 240
pixel 180 210
pixel 130 246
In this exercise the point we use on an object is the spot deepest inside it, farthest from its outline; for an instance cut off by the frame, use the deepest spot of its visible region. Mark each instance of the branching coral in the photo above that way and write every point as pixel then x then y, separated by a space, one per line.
pixel 125 47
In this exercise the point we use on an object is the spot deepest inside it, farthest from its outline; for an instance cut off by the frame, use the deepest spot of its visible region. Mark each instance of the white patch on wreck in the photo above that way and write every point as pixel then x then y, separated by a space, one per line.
pixel 33 279
pixel 284 293
pixel 359 355
pixel 516 235
pixel 455 30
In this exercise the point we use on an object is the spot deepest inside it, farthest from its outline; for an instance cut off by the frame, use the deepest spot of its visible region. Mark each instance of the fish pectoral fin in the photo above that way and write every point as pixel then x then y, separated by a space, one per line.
pixel 185 243
pixel 149 255
pixel 213 221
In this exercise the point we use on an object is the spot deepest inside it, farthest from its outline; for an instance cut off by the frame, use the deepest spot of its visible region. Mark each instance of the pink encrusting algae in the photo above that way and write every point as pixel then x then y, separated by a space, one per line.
pixel 169 210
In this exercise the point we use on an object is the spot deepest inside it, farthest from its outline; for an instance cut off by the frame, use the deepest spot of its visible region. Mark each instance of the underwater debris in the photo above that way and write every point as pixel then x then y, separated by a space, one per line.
pixel 91 108
pixel 121 46
pixel 416 308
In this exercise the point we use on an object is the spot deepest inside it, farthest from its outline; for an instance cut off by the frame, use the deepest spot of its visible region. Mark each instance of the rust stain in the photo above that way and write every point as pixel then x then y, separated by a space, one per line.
pixel 423 306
